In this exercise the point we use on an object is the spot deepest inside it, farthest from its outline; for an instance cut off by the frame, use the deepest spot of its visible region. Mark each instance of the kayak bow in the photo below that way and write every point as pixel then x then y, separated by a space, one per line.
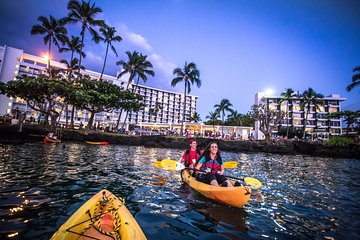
pixel 104 216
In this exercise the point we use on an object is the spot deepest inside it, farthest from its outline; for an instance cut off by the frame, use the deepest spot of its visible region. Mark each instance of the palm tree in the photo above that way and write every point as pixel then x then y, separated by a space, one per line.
pixel 195 117
pixel 222 108
pixel 54 32
pixel 137 65
pixel 73 45
pixel 85 14
pixel 109 37
pixel 71 67
pixel 190 75
pixel 309 97
pixel 235 118
pixel 213 117
pixel 355 79
pixel 287 95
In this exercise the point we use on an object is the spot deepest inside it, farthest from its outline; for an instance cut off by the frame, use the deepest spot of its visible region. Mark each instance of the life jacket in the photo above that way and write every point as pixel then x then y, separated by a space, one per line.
pixel 188 161
pixel 214 165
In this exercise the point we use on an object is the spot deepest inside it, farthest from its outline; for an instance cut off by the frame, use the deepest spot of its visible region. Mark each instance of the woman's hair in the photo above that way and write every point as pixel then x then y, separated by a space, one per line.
pixel 206 152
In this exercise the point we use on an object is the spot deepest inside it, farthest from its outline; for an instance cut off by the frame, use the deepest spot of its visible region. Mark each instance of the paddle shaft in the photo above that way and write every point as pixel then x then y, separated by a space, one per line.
pixel 241 179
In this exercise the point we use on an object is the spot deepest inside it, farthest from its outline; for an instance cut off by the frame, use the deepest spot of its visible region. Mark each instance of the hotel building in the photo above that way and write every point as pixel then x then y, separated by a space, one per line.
pixel 162 107
pixel 317 121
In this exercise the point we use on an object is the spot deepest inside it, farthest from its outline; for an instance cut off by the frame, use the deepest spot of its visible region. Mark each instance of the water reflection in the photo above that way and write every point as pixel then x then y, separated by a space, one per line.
pixel 305 197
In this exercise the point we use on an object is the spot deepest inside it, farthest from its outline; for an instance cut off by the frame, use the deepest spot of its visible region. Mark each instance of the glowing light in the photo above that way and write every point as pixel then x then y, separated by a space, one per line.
pixel 46 57
pixel 13 234
pixel 269 92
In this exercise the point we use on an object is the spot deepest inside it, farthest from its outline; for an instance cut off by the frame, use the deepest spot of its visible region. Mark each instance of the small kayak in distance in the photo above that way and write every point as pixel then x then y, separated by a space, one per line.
pixel 51 140
pixel 104 216
pixel 97 143
pixel 231 196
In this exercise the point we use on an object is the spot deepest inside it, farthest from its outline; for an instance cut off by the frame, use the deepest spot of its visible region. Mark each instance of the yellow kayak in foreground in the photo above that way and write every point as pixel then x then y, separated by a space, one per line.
pixel 231 196
pixel 104 216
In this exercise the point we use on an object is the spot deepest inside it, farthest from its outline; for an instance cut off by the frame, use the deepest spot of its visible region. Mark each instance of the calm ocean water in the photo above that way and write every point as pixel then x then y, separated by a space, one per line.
pixel 41 185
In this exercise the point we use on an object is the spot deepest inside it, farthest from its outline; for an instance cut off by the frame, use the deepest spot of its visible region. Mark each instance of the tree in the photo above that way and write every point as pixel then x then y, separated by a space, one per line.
pixel 54 32
pixel 235 118
pixel 137 65
pixel 73 45
pixel 268 119
pixel 41 94
pixel 85 14
pixel 355 79
pixel 213 118
pixel 70 68
pixel 248 120
pixel 287 95
pixel 100 96
pixel 350 117
pixel 190 75
pixel 154 111
pixel 221 108
pixel 309 97
pixel 109 37
pixel 195 117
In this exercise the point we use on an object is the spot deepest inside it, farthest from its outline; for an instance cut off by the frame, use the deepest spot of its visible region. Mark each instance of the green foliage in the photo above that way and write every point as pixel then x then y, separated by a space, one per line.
pixel 340 141
pixel 41 93
pixel 292 132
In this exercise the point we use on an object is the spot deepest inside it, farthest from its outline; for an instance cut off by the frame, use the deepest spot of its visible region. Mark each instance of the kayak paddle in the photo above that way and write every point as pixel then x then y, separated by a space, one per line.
pixel 226 164
pixel 169 164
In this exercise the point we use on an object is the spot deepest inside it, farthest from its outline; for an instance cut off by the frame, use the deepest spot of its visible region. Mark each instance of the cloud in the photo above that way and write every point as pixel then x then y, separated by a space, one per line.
pixel 165 67
pixel 134 38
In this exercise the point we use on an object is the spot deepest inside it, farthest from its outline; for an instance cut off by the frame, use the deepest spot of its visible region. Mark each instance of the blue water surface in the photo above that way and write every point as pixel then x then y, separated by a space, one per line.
pixel 42 185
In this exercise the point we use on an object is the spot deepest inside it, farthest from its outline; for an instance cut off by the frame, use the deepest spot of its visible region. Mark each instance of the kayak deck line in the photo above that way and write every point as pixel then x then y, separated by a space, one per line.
pixel 104 216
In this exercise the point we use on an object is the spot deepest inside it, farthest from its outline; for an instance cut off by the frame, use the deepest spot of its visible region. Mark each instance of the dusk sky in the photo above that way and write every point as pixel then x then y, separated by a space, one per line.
pixel 240 47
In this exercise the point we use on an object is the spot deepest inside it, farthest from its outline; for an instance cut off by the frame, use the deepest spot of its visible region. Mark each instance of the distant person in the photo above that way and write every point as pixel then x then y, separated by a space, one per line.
pixel 192 155
pixel 211 167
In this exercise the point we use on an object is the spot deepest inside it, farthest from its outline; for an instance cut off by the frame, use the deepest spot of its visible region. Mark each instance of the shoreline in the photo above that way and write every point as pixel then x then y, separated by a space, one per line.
pixel 31 134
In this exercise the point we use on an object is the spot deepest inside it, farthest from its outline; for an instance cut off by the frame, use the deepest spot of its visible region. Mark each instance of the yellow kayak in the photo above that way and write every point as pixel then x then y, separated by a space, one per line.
pixel 97 143
pixel 104 216
pixel 231 196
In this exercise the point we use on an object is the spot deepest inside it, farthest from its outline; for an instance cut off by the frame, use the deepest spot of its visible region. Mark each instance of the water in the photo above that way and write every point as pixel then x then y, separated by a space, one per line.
pixel 41 185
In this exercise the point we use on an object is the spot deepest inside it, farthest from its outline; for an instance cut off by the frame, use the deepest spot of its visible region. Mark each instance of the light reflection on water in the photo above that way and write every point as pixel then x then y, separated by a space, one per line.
pixel 305 197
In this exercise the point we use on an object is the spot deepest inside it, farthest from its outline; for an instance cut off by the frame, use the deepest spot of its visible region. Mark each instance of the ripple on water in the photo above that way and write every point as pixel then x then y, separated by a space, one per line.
pixel 305 197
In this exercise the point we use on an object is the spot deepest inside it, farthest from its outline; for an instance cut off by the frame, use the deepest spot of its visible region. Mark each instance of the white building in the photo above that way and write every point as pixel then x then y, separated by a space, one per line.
pixel 14 62
pixel 317 121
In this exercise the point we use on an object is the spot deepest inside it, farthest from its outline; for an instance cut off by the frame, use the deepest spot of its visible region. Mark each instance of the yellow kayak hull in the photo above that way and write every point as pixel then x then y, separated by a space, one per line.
pixel 88 217
pixel 97 143
pixel 231 196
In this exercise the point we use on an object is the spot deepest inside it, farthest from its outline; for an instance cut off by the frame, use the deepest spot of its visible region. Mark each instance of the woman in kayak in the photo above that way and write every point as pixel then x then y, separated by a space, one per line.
pixel 211 167
pixel 192 155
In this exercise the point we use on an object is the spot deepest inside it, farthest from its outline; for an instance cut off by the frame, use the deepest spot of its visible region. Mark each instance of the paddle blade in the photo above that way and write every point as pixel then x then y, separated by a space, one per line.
pixel 230 164
pixel 172 164
pixel 253 182
pixel 157 164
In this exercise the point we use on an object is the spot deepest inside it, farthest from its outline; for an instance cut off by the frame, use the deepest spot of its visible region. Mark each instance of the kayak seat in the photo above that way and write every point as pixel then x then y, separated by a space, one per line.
pixel 237 184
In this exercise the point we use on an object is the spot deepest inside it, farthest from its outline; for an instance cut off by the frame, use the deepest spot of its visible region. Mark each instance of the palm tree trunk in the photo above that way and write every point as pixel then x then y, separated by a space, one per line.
pixel 80 56
pixel 287 121
pixel 305 120
pixel 183 120
pixel 222 124
pixel 102 72
pixel 118 120
pixel 66 115
pixel 49 59
pixel 72 117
